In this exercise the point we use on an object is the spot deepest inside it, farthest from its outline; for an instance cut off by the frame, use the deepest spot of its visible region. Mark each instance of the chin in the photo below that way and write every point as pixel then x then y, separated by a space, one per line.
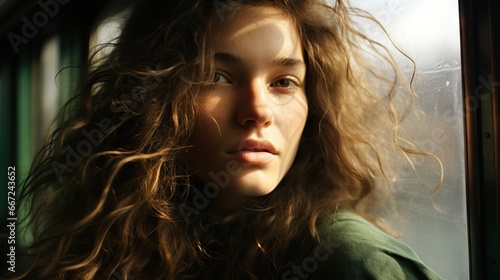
pixel 252 189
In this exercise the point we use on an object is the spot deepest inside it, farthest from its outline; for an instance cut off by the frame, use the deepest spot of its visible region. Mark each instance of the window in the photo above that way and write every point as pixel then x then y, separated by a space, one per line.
pixel 429 32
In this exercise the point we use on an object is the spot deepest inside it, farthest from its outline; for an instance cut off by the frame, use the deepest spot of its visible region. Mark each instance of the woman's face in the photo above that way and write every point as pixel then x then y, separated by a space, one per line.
pixel 251 121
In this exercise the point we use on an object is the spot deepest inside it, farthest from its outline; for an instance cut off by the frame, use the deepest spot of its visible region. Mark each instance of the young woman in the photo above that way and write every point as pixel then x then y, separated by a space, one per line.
pixel 225 140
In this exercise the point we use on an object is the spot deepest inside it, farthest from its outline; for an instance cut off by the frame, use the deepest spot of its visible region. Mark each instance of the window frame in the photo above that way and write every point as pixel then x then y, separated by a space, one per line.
pixel 480 32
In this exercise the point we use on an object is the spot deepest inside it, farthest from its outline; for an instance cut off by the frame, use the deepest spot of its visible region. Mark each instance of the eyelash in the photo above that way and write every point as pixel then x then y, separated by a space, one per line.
pixel 292 82
pixel 217 77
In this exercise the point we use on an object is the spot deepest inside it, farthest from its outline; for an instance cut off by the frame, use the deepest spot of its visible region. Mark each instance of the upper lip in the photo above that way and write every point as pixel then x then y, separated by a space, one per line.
pixel 255 145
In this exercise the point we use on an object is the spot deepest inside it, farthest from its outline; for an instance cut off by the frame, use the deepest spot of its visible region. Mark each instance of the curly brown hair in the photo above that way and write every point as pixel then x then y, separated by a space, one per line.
pixel 105 194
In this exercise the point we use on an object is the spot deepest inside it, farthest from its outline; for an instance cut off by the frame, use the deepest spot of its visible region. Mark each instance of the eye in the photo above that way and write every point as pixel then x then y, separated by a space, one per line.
pixel 220 78
pixel 285 83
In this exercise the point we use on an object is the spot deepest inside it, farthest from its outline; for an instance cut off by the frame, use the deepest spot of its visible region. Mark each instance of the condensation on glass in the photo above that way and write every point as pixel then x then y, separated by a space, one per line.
pixel 435 227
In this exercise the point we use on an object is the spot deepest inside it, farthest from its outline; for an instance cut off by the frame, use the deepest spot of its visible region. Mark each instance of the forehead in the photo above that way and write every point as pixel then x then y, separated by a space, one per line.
pixel 258 27
pixel 244 16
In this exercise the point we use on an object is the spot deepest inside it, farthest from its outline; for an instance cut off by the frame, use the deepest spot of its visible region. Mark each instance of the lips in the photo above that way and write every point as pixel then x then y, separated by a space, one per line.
pixel 256 146
pixel 252 151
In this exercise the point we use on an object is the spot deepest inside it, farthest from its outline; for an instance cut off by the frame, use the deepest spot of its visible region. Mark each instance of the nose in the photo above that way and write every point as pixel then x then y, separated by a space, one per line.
pixel 255 108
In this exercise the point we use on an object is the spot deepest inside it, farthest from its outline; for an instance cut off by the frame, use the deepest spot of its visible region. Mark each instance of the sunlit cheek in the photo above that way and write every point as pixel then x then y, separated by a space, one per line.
pixel 208 127
pixel 210 102
pixel 211 110
pixel 282 99
pixel 292 118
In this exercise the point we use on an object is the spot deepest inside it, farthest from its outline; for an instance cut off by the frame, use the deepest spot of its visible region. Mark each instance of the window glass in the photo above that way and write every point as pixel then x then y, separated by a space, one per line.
pixel 435 227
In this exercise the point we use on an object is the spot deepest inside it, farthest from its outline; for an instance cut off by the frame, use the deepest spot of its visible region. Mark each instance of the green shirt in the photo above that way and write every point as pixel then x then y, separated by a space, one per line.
pixel 353 248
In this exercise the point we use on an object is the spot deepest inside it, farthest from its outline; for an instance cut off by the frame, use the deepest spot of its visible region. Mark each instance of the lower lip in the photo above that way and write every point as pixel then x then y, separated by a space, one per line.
pixel 259 158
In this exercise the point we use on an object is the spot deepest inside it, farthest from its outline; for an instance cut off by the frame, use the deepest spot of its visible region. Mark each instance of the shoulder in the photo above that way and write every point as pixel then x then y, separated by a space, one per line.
pixel 353 248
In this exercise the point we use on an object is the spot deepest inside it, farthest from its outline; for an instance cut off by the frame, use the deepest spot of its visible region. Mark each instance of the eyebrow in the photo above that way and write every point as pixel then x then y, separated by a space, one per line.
pixel 281 61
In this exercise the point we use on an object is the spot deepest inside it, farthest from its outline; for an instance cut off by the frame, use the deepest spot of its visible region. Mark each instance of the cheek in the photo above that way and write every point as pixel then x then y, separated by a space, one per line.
pixel 213 114
pixel 292 123
pixel 215 107
pixel 292 118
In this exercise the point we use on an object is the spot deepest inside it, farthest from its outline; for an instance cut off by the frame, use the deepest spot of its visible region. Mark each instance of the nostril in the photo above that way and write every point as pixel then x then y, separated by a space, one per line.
pixel 250 123
pixel 256 123
pixel 255 117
